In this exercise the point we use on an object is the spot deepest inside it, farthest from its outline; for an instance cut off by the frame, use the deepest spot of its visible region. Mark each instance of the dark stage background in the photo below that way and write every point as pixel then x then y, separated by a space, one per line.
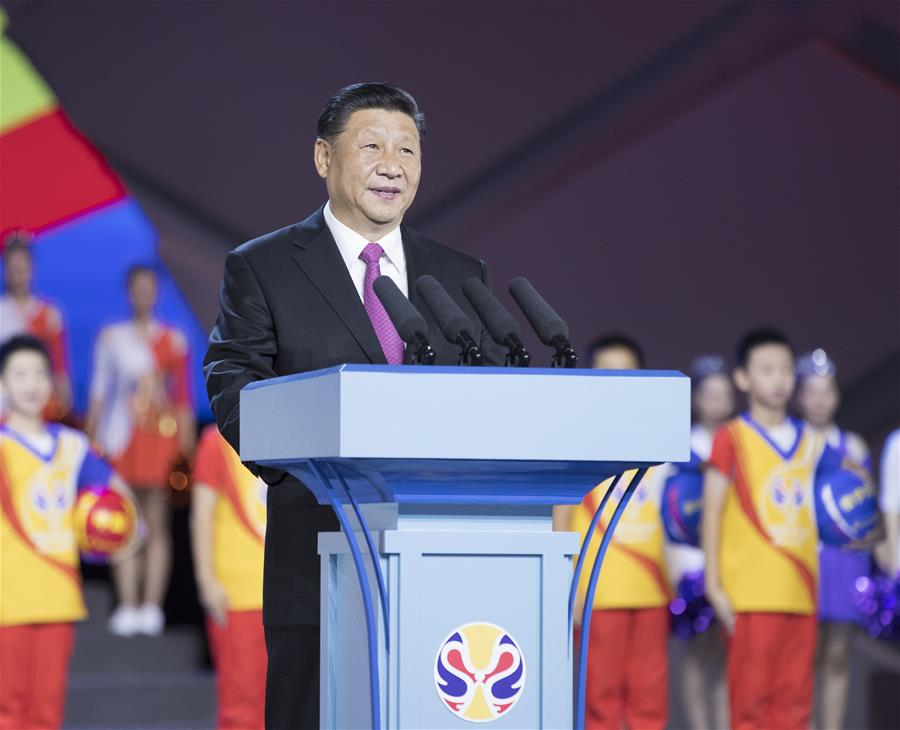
pixel 678 170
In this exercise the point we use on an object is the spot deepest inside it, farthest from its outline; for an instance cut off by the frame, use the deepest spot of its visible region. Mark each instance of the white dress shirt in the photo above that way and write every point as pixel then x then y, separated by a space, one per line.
pixel 351 245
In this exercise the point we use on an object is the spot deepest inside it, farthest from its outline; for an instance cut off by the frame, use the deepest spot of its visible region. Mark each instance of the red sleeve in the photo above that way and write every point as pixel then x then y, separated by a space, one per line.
pixel 209 465
pixel 724 456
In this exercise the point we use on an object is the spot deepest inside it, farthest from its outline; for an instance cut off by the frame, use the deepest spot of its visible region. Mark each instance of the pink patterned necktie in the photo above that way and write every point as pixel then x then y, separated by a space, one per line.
pixel 384 328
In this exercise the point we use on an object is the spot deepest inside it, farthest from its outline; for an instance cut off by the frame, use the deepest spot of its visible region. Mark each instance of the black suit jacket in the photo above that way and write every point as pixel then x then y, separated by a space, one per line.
pixel 288 305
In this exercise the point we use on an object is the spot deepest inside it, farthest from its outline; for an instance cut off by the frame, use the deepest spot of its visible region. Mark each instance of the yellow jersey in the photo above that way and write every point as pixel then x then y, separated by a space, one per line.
pixel 239 520
pixel 768 554
pixel 40 579
pixel 634 573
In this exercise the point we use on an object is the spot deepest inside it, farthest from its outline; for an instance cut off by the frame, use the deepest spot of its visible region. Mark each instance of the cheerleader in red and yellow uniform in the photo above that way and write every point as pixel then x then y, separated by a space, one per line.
pixel 141 416
pixel 22 312
pixel 228 523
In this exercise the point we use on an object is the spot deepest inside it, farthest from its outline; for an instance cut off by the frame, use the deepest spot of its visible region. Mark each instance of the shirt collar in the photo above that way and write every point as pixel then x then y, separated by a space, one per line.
pixel 352 243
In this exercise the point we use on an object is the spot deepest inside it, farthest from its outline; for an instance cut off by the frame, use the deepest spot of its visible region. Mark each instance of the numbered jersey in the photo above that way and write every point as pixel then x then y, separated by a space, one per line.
pixel 239 520
pixel 40 580
pixel 768 554
pixel 634 572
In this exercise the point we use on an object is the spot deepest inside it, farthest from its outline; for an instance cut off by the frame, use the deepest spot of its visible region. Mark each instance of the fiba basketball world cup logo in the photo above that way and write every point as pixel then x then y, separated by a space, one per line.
pixel 479 672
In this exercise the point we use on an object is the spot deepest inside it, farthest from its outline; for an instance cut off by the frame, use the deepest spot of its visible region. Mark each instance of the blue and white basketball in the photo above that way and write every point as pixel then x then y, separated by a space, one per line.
pixel 846 507
pixel 682 503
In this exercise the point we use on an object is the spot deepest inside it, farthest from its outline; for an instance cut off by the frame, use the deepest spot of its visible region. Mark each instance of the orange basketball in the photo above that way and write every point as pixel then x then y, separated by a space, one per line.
pixel 105 522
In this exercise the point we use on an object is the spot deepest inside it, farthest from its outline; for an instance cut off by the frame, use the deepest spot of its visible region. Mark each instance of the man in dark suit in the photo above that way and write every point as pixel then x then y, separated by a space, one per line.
pixel 300 299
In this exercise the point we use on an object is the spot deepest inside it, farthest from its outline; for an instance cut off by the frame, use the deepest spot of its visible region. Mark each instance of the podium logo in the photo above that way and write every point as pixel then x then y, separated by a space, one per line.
pixel 479 672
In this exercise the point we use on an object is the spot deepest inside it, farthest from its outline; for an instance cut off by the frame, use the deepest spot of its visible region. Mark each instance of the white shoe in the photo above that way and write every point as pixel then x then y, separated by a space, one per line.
pixel 125 621
pixel 151 620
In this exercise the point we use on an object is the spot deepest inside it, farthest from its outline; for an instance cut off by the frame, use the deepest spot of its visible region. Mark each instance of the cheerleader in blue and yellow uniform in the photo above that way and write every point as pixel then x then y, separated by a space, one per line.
pixel 818 397
pixel 702 677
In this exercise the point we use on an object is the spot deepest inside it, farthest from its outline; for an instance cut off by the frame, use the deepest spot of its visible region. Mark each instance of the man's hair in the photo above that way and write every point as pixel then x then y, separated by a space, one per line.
pixel 135 270
pixel 368 95
pixel 758 338
pixel 22 343
pixel 613 340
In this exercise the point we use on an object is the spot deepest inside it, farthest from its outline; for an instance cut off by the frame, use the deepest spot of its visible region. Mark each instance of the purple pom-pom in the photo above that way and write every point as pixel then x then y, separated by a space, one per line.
pixel 877 598
pixel 689 611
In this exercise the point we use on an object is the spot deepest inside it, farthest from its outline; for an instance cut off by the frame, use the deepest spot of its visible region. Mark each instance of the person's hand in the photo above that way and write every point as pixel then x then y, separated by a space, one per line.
pixel 722 606
pixel 875 536
pixel 214 600
pixel 886 559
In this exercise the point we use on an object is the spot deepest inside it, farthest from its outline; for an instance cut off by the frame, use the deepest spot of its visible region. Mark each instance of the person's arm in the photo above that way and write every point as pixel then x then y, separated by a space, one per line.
pixel 242 346
pixel 212 594
pixel 101 379
pixel 562 517
pixel 62 386
pixel 184 410
pixel 715 489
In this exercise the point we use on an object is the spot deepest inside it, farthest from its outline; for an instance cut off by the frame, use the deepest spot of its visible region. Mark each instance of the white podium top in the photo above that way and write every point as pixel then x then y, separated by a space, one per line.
pixel 471 413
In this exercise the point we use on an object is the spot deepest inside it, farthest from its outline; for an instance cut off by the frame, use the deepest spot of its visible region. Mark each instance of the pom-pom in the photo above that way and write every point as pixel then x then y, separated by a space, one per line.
pixel 690 612
pixel 877 598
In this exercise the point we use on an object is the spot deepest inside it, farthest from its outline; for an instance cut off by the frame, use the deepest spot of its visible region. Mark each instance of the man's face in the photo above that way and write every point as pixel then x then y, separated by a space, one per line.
pixel 769 376
pixel 372 169
pixel 17 272
pixel 615 358
pixel 818 399
pixel 27 383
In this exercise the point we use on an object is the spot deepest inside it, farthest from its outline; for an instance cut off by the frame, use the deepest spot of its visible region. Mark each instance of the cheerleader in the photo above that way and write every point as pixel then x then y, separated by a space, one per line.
pixel 140 415
pixel 702 677
pixel 23 312
pixel 818 398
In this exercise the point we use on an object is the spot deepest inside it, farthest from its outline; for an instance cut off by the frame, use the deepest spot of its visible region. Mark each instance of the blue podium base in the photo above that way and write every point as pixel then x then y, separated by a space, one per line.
pixel 478 631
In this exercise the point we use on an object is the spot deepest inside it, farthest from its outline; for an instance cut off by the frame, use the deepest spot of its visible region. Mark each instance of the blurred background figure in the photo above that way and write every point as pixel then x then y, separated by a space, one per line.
pixel 22 311
pixel 140 414
pixel 817 399
pixel 627 670
pixel 228 524
pixel 42 595
pixel 701 681
pixel 888 553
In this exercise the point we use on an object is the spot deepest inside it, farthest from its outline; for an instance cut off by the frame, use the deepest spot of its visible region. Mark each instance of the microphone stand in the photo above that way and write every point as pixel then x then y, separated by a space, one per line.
pixel 469 354
pixel 564 355
pixel 516 354
pixel 421 352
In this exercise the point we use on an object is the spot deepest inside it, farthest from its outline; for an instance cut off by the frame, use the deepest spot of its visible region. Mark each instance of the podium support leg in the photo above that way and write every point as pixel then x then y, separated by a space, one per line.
pixel 369 608
pixel 581 678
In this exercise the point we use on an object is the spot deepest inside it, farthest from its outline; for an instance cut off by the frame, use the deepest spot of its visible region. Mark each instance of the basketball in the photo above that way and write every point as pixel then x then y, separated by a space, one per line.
pixel 846 507
pixel 105 522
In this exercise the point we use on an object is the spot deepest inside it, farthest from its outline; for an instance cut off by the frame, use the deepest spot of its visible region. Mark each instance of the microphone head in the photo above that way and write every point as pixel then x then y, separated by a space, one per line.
pixel 543 318
pixel 499 323
pixel 403 314
pixel 450 318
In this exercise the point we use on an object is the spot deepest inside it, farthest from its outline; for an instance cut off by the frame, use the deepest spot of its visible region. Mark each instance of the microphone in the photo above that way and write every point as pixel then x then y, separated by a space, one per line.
pixel 409 323
pixel 549 326
pixel 498 321
pixel 451 320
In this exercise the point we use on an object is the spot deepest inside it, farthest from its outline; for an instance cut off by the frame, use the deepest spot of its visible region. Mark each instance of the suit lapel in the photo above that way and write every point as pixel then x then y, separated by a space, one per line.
pixel 317 255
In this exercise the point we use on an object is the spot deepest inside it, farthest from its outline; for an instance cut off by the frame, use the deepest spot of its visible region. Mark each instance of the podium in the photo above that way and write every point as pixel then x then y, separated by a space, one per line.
pixel 446 597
